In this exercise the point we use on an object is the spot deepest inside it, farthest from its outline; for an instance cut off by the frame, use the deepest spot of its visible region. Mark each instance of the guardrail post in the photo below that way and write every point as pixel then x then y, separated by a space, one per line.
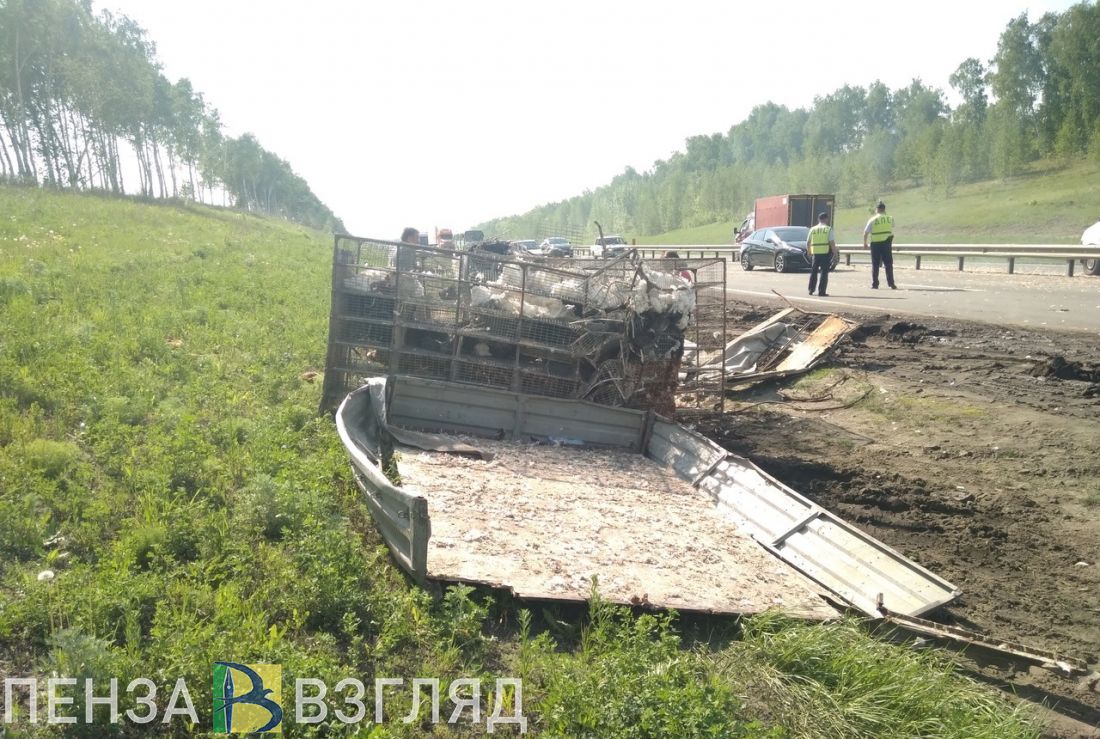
pixel 1069 267
pixel 917 266
pixel 1012 265
pixel 961 258
pixel 848 259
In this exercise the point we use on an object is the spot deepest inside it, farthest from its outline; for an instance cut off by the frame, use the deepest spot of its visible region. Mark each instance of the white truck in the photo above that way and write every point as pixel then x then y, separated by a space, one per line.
pixel 611 245
pixel 1091 237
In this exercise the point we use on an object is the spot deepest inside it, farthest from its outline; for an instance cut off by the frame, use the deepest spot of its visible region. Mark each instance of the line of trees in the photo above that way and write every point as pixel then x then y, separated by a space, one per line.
pixel 82 95
pixel 1039 96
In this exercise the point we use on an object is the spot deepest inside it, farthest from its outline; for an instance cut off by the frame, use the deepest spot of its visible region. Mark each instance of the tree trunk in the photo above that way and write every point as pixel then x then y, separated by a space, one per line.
pixel 160 170
pixel 91 147
pixel 172 170
pixel 5 161
pixel 117 166
pixel 62 143
pixel 147 157
pixel 45 147
pixel 81 144
pixel 116 170
pixel 143 168
pixel 22 148
pixel 11 170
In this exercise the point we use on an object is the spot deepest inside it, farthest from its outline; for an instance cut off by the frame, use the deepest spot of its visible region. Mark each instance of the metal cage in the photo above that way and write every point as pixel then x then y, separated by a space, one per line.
pixel 565 328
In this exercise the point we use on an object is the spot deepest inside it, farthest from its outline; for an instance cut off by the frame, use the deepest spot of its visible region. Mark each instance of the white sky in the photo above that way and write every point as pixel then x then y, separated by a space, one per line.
pixel 438 113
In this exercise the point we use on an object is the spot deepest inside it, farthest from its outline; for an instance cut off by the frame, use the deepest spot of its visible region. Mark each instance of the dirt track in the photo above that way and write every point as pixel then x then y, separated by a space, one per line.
pixel 975 450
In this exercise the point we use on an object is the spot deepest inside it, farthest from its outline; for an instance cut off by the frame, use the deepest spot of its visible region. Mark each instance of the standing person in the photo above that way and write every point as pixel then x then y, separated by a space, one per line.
pixel 406 257
pixel 821 244
pixel 685 273
pixel 880 232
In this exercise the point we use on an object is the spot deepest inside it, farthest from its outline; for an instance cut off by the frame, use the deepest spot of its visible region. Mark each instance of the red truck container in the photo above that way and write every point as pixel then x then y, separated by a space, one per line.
pixel 792 210
pixel 785 210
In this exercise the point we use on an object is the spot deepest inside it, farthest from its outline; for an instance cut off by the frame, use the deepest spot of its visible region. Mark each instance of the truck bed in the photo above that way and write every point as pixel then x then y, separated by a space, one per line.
pixel 544 520
pixel 656 512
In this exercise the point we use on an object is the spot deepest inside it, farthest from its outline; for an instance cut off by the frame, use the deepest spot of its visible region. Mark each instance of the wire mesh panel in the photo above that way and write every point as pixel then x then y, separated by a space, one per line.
pixel 366 333
pixel 707 334
pixel 620 331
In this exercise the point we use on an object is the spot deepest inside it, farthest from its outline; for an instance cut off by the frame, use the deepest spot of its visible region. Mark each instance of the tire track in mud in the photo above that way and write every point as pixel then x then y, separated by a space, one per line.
pixel 1000 494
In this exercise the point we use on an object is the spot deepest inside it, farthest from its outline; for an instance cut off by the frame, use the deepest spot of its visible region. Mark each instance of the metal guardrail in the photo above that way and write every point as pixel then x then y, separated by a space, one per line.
pixel 1070 253
pixel 1009 252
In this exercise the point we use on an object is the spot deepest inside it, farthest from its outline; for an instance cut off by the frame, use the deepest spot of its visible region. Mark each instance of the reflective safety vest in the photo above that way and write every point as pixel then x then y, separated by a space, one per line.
pixel 882 227
pixel 819 239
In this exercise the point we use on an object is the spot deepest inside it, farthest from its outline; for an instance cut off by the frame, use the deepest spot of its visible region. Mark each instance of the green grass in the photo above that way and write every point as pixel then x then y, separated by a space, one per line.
pixel 830 681
pixel 1050 204
pixel 920 410
pixel 714 233
pixel 160 453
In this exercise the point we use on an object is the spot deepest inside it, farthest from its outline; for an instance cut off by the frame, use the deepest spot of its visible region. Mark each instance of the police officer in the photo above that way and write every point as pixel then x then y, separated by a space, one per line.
pixel 821 244
pixel 880 232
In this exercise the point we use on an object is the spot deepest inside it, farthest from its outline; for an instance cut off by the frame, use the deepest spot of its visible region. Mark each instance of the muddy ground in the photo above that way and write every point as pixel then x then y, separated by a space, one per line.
pixel 973 449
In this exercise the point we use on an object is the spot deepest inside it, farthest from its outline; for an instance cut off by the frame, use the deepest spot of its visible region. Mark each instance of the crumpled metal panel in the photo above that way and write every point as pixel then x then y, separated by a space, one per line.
pixel 820 340
pixel 787 343
pixel 855 566
pixel 689 454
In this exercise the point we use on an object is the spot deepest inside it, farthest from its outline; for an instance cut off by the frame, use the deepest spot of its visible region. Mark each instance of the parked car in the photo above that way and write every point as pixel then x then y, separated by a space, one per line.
pixel 611 245
pixel 526 247
pixel 1091 237
pixel 782 249
pixel 556 246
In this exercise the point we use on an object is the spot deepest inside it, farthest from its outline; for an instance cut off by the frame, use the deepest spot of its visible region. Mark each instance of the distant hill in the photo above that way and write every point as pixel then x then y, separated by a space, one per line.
pixel 1050 204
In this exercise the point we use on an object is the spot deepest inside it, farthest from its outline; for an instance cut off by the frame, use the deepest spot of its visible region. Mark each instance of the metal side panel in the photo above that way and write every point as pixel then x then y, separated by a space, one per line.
pixel 591 423
pixel 688 453
pixel 849 562
pixel 432 405
pixel 402 518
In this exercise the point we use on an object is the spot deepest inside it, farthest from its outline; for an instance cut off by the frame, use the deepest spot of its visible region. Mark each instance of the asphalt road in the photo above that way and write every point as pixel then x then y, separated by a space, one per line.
pixel 1033 300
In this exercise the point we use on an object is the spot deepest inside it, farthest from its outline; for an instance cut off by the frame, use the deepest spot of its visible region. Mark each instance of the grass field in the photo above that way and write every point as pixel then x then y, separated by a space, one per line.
pixel 169 497
pixel 1051 204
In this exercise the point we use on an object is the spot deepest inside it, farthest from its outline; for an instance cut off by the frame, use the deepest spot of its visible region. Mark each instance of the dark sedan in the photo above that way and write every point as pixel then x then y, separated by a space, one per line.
pixel 782 248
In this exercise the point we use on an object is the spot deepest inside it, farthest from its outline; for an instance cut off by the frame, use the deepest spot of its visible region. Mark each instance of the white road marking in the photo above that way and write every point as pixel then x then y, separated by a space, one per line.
pixel 945 288
pixel 828 301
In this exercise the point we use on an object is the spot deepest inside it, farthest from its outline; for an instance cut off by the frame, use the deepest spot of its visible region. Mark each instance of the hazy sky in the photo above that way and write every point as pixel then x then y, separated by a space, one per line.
pixel 447 113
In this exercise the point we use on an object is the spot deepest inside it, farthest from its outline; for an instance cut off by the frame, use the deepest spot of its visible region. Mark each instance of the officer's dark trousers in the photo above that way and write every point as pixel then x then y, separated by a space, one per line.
pixel 882 253
pixel 820 264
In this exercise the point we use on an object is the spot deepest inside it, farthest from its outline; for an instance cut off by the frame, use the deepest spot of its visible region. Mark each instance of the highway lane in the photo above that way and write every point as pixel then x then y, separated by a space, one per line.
pixel 1033 300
